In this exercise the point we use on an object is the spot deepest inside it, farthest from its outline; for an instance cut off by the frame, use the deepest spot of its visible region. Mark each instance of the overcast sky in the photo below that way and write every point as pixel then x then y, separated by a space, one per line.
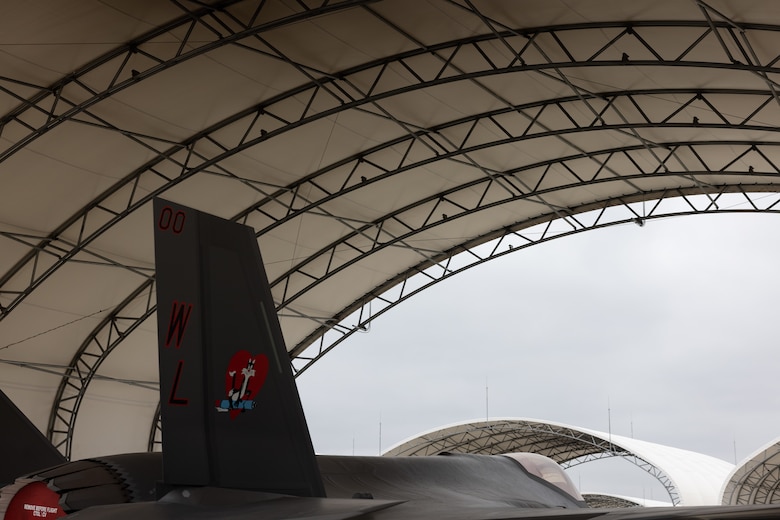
pixel 672 326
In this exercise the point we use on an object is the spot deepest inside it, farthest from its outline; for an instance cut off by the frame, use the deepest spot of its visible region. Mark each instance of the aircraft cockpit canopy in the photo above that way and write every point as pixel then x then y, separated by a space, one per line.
pixel 547 470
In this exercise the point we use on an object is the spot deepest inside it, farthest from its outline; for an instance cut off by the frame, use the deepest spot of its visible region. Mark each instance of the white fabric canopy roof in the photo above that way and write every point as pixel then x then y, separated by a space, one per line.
pixel 690 478
pixel 756 480
pixel 366 142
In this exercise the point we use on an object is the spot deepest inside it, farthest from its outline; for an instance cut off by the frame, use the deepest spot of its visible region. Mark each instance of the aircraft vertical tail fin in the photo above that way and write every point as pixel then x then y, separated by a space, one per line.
pixel 23 448
pixel 231 413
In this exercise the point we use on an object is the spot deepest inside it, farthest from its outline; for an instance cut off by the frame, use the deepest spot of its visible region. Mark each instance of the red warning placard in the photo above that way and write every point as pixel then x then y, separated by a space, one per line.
pixel 34 501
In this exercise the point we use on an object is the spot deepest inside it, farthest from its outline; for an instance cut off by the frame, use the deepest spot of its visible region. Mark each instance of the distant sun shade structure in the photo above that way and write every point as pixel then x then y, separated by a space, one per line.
pixel 690 478
pixel 757 479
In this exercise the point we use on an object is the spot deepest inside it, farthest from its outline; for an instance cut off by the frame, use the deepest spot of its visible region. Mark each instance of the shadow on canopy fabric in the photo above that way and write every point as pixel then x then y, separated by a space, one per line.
pixel 368 143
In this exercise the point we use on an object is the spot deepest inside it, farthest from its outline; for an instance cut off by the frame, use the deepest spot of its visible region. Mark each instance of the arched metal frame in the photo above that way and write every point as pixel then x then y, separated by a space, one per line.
pixel 757 481
pixel 614 212
pixel 702 179
pixel 568 447
pixel 260 123
pixel 109 334
pixel 762 486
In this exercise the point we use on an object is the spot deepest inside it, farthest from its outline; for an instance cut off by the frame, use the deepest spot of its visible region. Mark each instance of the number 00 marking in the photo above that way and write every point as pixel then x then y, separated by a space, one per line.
pixel 171 220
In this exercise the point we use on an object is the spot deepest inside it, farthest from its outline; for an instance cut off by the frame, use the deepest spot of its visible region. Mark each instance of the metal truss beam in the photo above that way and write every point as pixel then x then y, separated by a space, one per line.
pixel 361 88
pixel 366 89
pixel 155 434
pixel 597 215
pixel 763 485
pixel 567 446
pixel 637 461
pixel 205 29
pixel 60 250
pixel 757 482
pixel 196 32
pixel 441 202
pixel 442 207
pixel 111 331
pixel 526 121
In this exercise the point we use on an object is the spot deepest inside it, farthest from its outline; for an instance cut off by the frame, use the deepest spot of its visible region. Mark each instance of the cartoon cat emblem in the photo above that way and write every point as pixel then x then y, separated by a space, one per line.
pixel 244 378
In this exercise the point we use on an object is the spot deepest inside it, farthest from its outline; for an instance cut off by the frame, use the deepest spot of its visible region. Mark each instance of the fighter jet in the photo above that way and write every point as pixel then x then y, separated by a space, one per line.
pixel 236 444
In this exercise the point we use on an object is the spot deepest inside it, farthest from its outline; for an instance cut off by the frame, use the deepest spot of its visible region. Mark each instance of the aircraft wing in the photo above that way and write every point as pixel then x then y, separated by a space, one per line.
pixel 23 448
pixel 210 503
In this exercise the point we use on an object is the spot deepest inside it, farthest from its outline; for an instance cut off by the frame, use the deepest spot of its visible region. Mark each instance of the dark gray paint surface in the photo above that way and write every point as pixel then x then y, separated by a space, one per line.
pixel 23 448
pixel 214 304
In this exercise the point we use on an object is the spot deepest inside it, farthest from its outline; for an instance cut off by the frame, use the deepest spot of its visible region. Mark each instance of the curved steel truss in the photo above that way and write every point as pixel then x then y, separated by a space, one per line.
pixel 757 480
pixel 628 210
pixel 548 147
pixel 109 334
pixel 205 151
pixel 567 446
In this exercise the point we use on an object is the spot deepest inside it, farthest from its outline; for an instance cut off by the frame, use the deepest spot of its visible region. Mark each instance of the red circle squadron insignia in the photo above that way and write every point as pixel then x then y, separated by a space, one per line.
pixel 244 378
pixel 34 501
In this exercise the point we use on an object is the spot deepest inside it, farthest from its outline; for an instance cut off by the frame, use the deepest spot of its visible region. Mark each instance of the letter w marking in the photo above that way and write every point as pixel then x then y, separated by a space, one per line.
pixel 177 323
